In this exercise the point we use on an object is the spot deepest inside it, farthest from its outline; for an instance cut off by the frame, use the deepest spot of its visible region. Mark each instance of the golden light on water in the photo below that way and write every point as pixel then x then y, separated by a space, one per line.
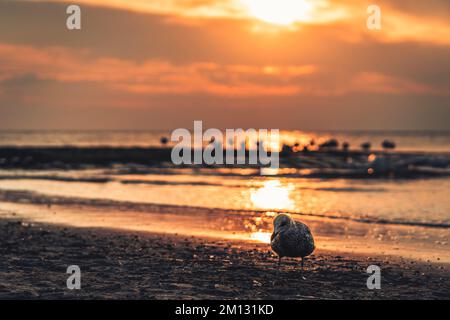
pixel 263 237
pixel 281 12
pixel 273 195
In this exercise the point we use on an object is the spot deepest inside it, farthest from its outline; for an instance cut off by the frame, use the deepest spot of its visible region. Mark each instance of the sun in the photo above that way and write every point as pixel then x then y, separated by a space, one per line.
pixel 280 12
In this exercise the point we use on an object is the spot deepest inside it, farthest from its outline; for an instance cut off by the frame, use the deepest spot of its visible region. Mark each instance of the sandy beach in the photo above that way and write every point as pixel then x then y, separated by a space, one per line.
pixel 142 230
pixel 137 265
pixel 171 149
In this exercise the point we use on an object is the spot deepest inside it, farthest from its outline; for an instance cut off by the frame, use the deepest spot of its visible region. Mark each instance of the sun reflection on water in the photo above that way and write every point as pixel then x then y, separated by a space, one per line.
pixel 272 195
pixel 263 237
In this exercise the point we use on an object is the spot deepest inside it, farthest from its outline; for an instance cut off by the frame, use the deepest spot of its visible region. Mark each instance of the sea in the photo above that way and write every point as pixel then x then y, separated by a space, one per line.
pixel 418 210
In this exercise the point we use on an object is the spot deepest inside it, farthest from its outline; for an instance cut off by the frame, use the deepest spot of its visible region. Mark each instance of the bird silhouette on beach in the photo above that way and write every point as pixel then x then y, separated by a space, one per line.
pixel 291 238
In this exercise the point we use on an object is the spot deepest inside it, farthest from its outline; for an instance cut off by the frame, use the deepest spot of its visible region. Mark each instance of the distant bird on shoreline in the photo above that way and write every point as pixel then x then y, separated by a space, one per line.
pixel 345 146
pixel 291 238
pixel 329 145
pixel 164 141
pixel 366 146
pixel 387 144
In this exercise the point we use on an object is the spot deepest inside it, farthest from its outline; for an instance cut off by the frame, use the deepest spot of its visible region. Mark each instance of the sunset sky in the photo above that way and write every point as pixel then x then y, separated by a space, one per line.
pixel 288 64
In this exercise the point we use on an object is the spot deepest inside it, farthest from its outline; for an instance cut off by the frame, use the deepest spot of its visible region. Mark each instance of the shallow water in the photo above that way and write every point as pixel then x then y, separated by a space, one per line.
pixel 398 201
pixel 410 217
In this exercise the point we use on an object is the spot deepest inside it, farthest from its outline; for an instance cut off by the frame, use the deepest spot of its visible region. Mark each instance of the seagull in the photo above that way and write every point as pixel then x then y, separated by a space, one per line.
pixel 291 238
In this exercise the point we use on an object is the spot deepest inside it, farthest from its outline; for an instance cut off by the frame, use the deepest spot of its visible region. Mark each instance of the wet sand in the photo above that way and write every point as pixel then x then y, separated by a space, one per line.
pixel 142 265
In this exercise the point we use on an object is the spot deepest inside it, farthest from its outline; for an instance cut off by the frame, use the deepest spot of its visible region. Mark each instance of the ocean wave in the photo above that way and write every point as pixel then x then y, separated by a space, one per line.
pixel 250 184
pixel 29 197
pixel 56 178
pixel 247 185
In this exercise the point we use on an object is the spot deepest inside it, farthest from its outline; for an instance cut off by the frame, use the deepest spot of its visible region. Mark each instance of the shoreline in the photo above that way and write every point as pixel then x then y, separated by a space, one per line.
pixel 142 265
pixel 429 244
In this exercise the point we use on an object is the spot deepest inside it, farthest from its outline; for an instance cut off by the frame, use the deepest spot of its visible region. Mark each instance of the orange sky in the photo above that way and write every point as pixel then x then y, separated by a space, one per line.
pixel 294 64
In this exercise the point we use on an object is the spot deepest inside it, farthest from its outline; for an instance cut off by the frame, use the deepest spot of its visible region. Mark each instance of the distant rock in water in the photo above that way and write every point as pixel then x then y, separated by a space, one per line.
pixel 385 165
pixel 381 165
pixel 291 238
pixel 286 149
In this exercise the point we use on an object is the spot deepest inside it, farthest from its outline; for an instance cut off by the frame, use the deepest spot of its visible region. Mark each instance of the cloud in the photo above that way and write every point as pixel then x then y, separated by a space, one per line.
pixel 152 76
pixel 420 22
pixel 379 83
pixel 133 66
pixel 162 77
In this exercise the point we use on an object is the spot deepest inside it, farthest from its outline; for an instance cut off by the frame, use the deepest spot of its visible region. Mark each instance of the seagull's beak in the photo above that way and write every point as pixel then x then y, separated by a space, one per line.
pixel 273 236
pixel 276 231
